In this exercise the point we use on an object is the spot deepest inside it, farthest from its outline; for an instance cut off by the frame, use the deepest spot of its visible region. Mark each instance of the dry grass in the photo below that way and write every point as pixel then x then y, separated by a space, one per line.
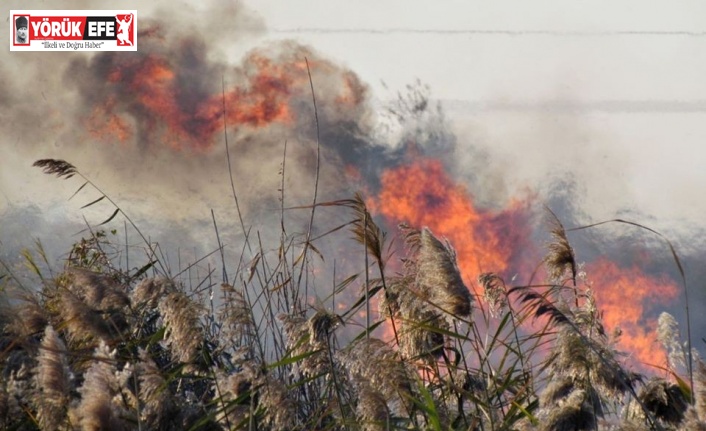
pixel 98 347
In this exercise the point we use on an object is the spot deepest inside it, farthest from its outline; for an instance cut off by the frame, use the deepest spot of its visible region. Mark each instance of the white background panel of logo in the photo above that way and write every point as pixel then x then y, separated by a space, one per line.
pixel 73 30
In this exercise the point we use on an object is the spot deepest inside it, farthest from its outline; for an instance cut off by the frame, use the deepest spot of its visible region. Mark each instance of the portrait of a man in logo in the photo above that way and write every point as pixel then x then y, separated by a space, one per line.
pixel 21 30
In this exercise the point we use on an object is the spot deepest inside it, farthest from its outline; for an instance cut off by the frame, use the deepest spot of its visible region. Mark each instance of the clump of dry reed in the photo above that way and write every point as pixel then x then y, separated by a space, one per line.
pixel 183 330
pixel 664 400
pixel 97 347
pixel 309 339
pixel 429 294
pixel 158 405
pixel 586 378
pixel 373 368
pixel 105 400
pixel 54 380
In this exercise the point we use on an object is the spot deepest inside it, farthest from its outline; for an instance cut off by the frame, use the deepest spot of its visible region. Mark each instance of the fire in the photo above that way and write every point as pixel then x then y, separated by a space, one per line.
pixel 354 91
pixel 112 127
pixel 158 95
pixel 625 296
pixel 175 98
pixel 422 194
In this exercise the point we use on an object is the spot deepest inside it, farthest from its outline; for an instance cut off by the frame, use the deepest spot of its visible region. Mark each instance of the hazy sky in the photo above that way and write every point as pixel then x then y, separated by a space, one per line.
pixel 612 91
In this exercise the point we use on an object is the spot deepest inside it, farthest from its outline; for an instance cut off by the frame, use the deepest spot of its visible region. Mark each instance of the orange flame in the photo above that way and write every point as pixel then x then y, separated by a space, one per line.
pixel 112 127
pixel 156 95
pixel 180 104
pixel 624 295
pixel 422 194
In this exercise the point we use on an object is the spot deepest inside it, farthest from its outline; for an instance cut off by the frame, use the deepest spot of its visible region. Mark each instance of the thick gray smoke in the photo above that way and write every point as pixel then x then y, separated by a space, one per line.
pixel 147 128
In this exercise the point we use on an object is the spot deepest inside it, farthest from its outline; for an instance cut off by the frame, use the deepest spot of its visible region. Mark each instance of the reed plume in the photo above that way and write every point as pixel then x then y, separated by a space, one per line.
pixel 19 392
pixel 429 294
pixel 365 230
pixel 668 335
pixel 54 381
pixel 99 408
pixel 370 361
pixel 280 410
pixel 438 274
pixel 309 338
pixel 235 316
pixel 157 404
pixel 30 318
pixel 371 409
pixel 83 324
pixel 181 318
pixel 574 413
pixel 583 368
pixel 700 390
pixel 149 291
pixel 99 291
pixel 236 393
pixel 665 401
pixel 560 258
pixel 493 292
pixel 60 168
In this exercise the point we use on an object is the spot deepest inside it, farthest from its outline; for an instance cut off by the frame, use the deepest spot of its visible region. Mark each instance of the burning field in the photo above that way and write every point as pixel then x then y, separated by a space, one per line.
pixel 475 316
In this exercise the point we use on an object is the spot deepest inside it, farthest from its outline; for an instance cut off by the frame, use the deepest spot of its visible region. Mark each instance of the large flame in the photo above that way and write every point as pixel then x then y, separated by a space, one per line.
pixel 178 119
pixel 173 95
pixel 625 296
pixel 422 193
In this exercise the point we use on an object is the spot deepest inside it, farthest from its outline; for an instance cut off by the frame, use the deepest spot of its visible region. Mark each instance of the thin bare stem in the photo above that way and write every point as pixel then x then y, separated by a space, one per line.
pixel 230 167
pixel 316 181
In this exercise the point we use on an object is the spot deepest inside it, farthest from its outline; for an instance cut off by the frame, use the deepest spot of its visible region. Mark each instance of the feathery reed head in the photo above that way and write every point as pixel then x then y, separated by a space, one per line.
pixel 541 305
pixel 575 413
pixel 668 335
pixel 98 291
pixel 81 321
pixel 365 231
pixel 373 362
pixel 700 389
pixel 99 408
pixel 439 275
pixel 60 168
pixel 181 318
pixel 53 378
pixel 275 399
pixel 235 315
pixel 322 324
pixel 560 255
pixel 149 291
pixel 309 338
pixel 664 400
pixel 31 318
pixel 154 392
pixel 371 409
pixel 493 292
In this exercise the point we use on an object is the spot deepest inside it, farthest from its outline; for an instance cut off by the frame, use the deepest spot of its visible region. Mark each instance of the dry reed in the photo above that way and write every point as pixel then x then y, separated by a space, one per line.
pixel 96 347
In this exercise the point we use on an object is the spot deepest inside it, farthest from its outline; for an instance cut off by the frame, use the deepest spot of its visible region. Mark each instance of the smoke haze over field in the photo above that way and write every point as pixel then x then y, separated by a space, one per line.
pixel 476 166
